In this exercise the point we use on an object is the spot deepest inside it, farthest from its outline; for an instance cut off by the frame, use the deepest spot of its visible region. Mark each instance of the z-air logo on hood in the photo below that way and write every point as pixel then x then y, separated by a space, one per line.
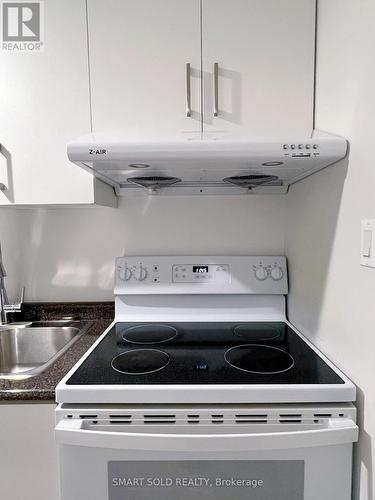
pixel 97 151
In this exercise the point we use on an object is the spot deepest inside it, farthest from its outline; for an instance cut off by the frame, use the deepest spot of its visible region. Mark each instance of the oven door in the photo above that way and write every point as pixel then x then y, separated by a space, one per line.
pixel 104 460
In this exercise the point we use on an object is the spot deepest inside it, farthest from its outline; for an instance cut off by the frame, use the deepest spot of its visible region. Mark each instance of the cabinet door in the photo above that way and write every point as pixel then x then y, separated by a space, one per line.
pixel 29 458
pixel 265 55
pixel 138 53
pixel 44 103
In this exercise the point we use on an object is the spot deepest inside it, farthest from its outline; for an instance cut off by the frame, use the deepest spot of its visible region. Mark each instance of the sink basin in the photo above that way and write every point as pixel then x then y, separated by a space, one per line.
pixel 28 350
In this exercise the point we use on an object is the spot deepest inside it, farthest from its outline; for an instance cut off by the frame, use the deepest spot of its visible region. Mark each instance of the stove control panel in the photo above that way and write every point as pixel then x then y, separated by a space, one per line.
pixel 201 275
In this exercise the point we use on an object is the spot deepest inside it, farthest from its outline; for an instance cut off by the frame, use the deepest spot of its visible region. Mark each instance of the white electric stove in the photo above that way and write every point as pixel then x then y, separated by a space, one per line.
pixel 201 386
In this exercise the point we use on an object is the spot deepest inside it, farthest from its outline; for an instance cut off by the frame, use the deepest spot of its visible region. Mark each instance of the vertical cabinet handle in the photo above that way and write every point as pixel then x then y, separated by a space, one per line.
pixel 3 187
pixel 188 90
pixel 216 89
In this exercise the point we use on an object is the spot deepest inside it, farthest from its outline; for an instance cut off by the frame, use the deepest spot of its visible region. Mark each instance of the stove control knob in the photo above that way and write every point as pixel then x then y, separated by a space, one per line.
pixel 277 273
pixel 261 273
pixel 125 274
pixel 140 273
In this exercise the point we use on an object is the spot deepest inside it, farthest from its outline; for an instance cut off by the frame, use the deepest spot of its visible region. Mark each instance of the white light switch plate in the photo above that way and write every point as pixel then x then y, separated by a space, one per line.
pixel 368 242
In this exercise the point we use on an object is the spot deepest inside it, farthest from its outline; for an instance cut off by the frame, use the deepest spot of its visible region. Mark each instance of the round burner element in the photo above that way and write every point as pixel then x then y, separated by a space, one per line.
pixel 140 361
pixel 149 334
pixel 258 358
pixel 257 332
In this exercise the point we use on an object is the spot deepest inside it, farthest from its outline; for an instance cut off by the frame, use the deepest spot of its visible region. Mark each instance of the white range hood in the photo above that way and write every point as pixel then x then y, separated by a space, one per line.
pixel 205 166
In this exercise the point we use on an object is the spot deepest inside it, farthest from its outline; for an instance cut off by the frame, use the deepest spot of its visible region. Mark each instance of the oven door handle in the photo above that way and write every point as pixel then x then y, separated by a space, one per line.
pixel 336 431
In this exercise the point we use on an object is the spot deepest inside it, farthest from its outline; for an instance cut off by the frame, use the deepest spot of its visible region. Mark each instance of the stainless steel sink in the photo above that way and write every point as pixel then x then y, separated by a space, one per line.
pixel 26 351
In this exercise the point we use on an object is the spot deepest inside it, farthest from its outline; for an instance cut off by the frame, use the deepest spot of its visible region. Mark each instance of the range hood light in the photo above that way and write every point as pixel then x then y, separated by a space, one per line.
pixel 273 163
pixel 139 165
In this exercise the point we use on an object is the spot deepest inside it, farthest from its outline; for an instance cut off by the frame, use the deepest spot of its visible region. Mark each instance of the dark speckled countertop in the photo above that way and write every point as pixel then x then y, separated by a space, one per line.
pixel 42 387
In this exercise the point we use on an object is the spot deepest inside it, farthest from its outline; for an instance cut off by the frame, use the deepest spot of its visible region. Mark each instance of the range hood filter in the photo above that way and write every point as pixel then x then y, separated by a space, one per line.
pixel 250 181
pixel 154 182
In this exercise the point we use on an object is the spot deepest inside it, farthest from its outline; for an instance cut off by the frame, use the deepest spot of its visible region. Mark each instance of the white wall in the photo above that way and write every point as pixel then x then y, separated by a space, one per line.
pixel 68 253
pixel 332 297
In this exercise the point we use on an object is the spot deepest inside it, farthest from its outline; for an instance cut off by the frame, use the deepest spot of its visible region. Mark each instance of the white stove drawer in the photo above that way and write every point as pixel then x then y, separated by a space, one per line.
pixel 104 461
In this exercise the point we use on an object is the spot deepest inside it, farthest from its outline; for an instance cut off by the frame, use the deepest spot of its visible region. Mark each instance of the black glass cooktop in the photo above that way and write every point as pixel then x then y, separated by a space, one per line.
pixel 203 353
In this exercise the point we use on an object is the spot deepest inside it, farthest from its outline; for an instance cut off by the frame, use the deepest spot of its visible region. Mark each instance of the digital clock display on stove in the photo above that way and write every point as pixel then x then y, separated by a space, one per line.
pixel 200 269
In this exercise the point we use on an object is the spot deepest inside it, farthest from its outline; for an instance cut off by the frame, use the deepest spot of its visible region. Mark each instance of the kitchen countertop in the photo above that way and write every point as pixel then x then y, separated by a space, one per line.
pixel 42 387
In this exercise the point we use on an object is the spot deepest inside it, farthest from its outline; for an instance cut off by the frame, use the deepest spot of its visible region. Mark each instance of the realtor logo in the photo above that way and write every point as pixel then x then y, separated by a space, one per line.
pixel 22 26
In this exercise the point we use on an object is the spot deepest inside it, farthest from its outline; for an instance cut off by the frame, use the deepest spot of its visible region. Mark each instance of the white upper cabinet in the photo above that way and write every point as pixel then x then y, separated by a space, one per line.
pixel 263 49
pixel 264 55
pixel 139 52
pixel 44 103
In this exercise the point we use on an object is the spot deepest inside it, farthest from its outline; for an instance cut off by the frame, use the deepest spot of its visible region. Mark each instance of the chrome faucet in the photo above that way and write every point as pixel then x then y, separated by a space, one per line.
pixel 5 307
